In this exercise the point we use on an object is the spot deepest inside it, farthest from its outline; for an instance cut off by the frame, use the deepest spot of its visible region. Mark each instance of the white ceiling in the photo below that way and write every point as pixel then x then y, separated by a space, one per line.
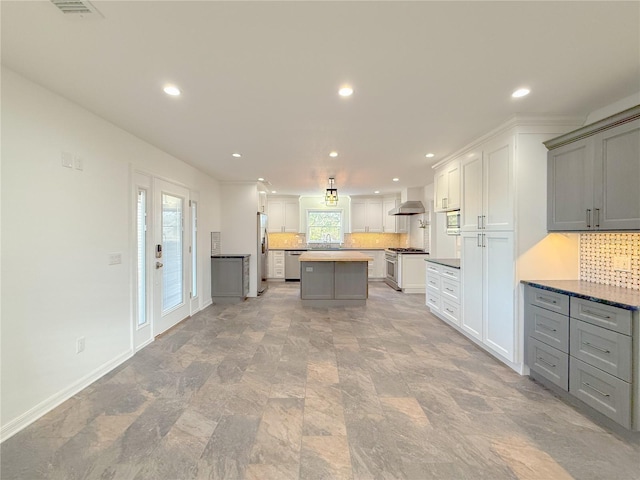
pixel 261 78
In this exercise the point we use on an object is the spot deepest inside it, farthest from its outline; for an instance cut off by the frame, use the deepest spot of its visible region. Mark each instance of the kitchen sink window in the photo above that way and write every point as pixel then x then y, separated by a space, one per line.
pixel 324 226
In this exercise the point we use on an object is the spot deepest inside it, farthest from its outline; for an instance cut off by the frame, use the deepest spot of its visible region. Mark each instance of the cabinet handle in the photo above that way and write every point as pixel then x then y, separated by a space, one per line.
pixel 448 290
pixel 586 384
pixel 450 311
pixel 588 218
pixel 546 327
pixel 595 314
pixel 542 360
pixel 484 222
pixel 479 227
pixel 479 243
pixel 595 347
pixel 597 215
pixel 484 237
pixel 547 300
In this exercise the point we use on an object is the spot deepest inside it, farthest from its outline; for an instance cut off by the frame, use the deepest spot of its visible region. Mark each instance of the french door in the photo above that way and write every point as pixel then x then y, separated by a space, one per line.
pixel 171 259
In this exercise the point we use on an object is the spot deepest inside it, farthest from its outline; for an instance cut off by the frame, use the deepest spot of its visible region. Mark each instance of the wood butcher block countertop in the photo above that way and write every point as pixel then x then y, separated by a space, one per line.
pixel 335 256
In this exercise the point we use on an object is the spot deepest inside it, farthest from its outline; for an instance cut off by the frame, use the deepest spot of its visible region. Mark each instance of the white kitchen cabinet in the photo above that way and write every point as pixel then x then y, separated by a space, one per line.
pixel 366 215
pixel 447 187
pixel 283 214
pixel 488 187
pixel 593 176
pixel 262 202
pixel 393 223
pixel 443 292
pixel 275 264
pixel 488 290
pixel 375 266
pixel 411 272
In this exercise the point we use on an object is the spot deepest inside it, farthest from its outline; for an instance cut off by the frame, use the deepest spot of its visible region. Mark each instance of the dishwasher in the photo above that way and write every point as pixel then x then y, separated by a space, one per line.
pixel 292 264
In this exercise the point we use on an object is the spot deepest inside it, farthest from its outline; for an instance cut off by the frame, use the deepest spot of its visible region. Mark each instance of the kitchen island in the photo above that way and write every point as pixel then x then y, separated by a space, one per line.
pixel 334 278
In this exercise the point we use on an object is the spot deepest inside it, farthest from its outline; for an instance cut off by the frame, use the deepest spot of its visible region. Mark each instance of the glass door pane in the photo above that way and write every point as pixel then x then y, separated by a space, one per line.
pixel 142 256
pixel 172 241
pixel 194 249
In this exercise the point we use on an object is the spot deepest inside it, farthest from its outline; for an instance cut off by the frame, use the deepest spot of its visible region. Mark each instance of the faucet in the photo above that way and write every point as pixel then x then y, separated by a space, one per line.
pixel 327 238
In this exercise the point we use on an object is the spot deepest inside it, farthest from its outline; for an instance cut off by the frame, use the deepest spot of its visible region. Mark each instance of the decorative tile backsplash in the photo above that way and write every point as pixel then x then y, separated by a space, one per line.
pixel 597 254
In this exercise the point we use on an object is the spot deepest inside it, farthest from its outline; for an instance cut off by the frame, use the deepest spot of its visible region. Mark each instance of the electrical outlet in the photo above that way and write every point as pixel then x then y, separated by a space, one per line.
pixel 78 163
pixel 80 345
pixel 67 159
pixel 622 263
pixel 114 258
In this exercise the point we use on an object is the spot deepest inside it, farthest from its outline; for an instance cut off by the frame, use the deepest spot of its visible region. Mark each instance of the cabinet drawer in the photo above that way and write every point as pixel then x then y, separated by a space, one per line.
pixel 450 311
pixel 549 362
pixel 606 393
pixel 548 327
pixel 434 268
pixel 449 272
pixel 433 283
pixel 609 351
pixel 433 300
pixel 450 289
pixel 607 316
pixel 556 302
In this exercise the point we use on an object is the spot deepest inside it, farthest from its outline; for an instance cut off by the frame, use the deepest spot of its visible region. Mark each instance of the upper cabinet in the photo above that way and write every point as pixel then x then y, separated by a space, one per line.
pixel 262 202
pixel 447 187
pixel 283 214
pixel 393 223
pixel 366 214
pixel 488 186
pixel 593 176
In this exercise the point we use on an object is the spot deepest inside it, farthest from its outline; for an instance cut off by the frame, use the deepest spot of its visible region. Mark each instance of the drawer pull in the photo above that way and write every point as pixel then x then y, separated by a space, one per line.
pixel 595 347
pixel 542 360
pixel 448 290
pixel 595 389
pixel 547 300
pixel 450 311
pixel 542 325
pixel 596 314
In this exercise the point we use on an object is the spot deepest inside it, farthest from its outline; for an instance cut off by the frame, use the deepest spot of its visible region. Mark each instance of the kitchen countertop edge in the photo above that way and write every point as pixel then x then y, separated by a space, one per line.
pixel 447 262
pixel 231 255
pixel 606 294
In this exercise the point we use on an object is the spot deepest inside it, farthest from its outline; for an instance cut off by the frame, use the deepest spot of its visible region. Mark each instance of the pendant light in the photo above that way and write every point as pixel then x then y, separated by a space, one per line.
pixel 331 195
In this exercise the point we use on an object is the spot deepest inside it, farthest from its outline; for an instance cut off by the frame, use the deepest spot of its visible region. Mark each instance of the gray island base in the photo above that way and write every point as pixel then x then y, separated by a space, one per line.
pixel 334 279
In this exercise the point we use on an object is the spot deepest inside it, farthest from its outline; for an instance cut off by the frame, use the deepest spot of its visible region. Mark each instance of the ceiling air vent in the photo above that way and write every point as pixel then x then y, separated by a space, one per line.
pixel 76 8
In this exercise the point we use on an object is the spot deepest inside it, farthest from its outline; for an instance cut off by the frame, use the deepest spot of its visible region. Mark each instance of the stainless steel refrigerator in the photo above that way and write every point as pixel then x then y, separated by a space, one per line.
pixel 263 252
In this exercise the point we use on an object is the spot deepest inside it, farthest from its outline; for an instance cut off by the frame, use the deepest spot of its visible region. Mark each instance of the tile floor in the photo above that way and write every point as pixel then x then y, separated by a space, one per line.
pixel 270 390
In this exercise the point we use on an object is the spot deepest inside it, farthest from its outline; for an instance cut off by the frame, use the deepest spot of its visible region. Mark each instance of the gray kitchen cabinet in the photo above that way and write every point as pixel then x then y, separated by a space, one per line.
pixel 229 277
pixel 587 348
pixel 593 175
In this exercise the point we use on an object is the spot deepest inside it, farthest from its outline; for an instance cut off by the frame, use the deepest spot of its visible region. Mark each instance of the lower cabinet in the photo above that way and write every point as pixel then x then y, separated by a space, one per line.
pixel 229 277
pixel 275 259
pixel 488 280
pixel 586 348
pixel 443 291
pixel 327 283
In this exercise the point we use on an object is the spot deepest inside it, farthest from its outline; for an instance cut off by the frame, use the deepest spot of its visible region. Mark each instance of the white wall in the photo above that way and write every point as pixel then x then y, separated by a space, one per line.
pixel 240 225
pixel 58 226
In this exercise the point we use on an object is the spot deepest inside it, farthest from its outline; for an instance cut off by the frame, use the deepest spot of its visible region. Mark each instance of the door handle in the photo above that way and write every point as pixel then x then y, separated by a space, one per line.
pixel 159 265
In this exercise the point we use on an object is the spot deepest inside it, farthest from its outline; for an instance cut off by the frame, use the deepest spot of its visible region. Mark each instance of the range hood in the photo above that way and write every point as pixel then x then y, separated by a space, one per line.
pixel 412 207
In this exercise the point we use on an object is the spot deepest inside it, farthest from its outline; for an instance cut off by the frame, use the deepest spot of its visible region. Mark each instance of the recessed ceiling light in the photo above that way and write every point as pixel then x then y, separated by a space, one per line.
pixel 333 154
pixel 237 155
pixel 521 92
pixel 345 91
pixel 377 191
pixel 171 90
pixel 396 179
pixel 273 191
pixel 429 155
pixel 261 179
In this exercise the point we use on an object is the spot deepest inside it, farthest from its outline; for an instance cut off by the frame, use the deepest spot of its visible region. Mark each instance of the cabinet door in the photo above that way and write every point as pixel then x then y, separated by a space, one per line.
pixel 617 178
pixel 291 216
pixel 374 215
pixel 498 188
pixel 453 186
pixel 441 189
pixel 388 221
pixel 471 208
pixel 471 269
pixel 499 292
pixel 275 215
pixel 358 215
pixel 570 187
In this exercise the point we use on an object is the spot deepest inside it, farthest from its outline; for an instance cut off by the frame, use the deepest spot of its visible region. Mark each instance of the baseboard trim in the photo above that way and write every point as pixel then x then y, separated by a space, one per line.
pixel 44 407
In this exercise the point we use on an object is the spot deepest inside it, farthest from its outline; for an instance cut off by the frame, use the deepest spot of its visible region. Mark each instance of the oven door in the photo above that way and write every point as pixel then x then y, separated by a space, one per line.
pixel 391 277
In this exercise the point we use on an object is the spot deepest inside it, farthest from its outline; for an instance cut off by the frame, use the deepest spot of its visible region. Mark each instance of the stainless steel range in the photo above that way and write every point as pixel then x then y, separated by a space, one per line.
pixel 391 260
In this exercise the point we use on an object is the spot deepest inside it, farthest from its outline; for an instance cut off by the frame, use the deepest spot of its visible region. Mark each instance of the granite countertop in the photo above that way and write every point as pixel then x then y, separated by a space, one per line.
pixel 231 255
pixel 447 262
pixel 616 296
pixel 334 256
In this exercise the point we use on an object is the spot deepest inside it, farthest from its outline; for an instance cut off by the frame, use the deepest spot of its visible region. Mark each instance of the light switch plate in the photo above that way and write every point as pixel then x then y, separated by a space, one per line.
pixel 67 159
pixel 622 263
